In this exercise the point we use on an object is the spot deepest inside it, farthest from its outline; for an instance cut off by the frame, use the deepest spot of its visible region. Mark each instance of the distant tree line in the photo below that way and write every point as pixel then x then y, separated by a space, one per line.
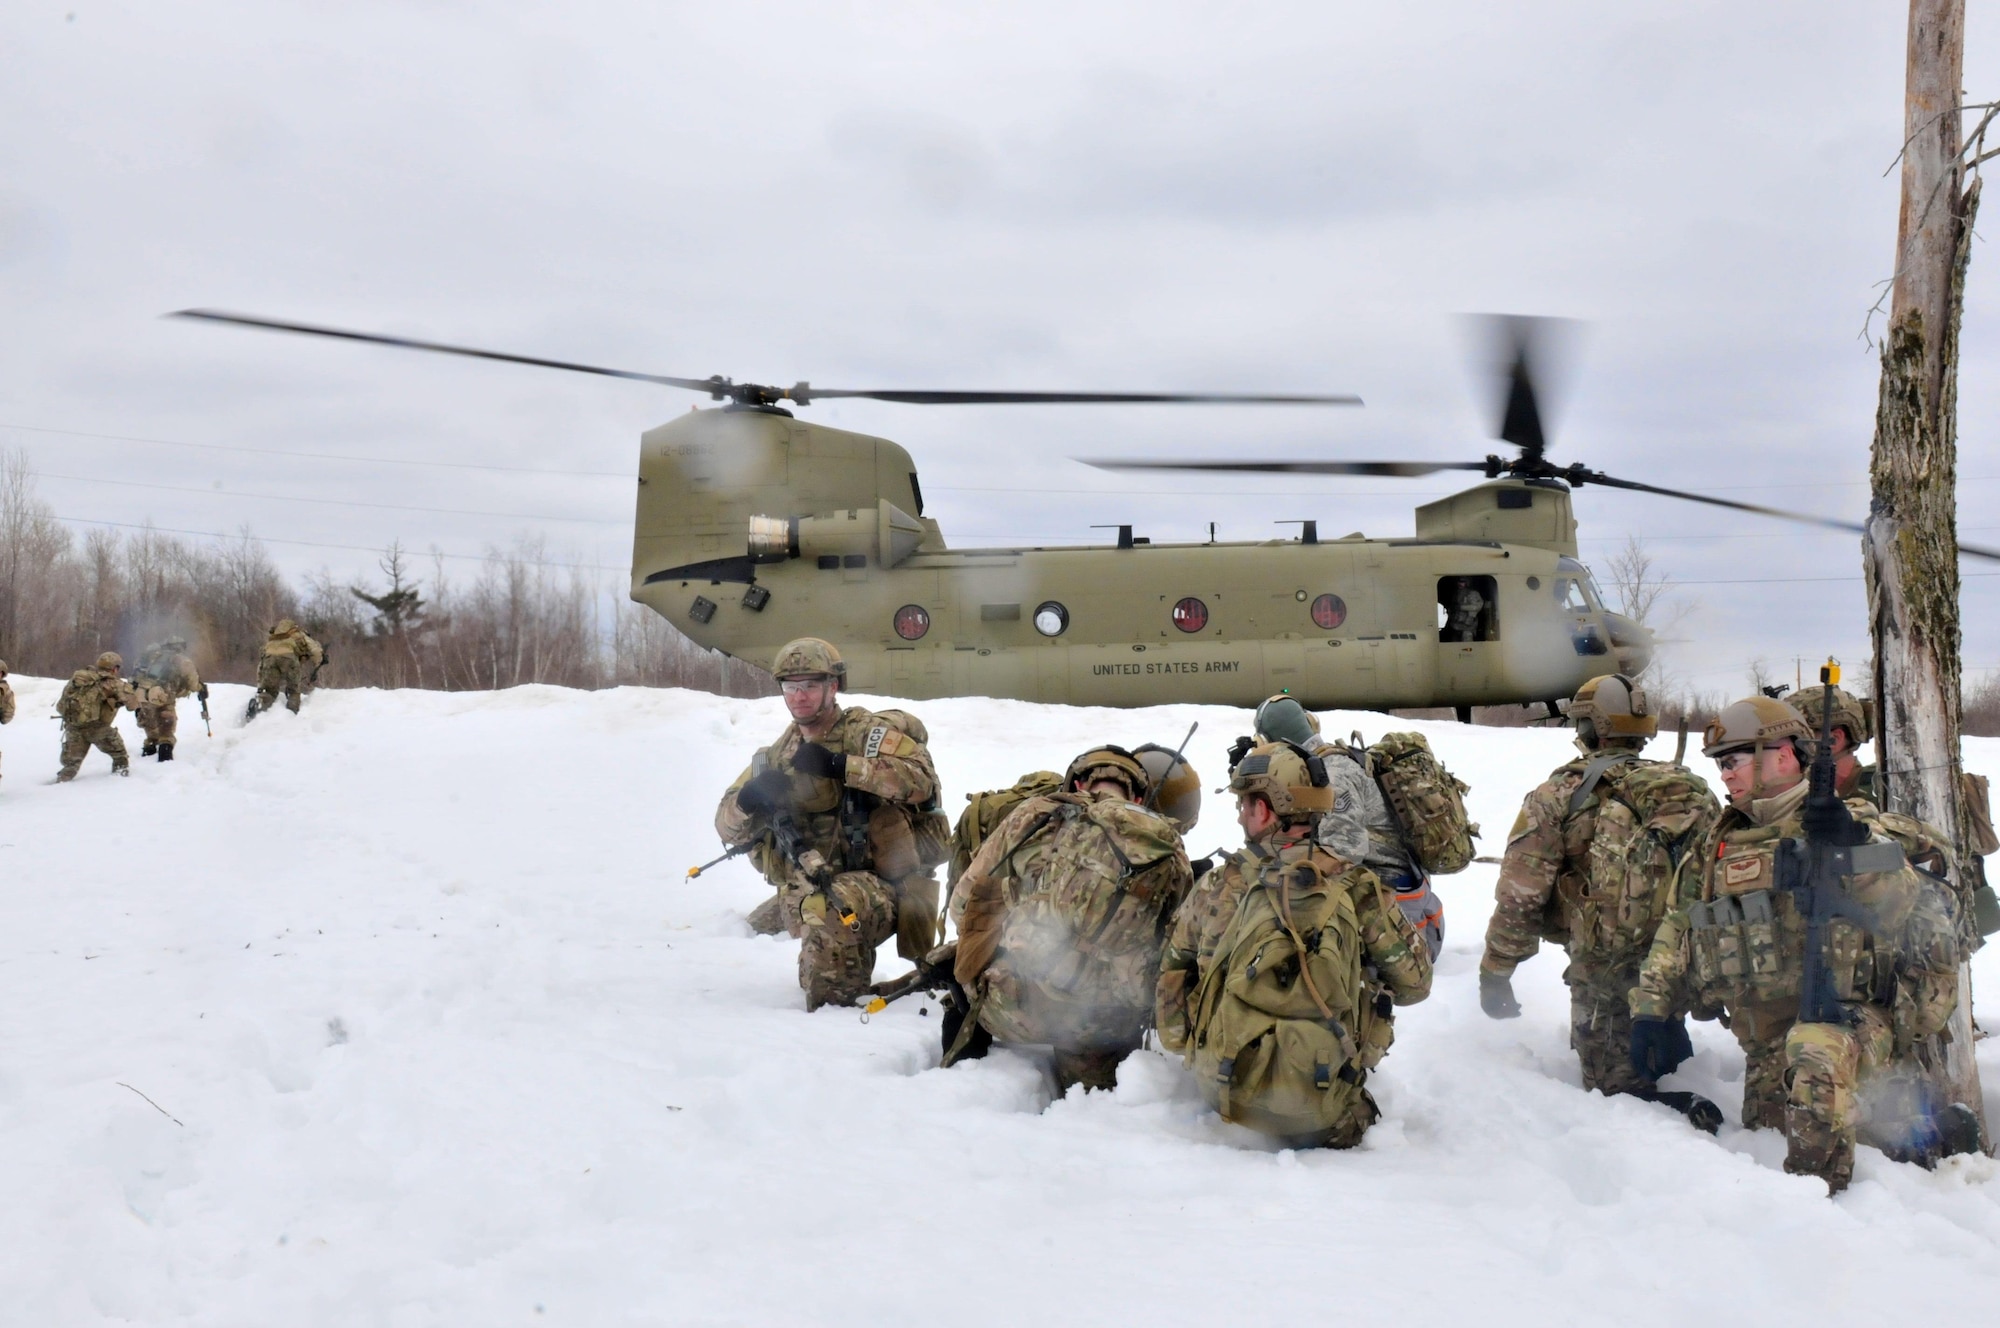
pixel 518 618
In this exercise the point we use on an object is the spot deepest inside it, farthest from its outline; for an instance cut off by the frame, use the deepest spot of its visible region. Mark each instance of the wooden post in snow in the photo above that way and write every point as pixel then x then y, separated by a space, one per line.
pixel 1911 546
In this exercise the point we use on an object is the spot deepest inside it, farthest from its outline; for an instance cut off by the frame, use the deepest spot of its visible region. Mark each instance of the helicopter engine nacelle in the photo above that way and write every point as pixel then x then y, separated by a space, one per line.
pixel 884 531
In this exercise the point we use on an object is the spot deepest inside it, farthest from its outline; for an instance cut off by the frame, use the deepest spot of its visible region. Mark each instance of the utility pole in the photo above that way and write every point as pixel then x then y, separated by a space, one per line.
pixel 1910 550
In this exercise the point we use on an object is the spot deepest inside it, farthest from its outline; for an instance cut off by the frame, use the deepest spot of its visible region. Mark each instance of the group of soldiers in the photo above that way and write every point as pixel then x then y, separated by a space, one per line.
pixel 164 674
pixel 1275 970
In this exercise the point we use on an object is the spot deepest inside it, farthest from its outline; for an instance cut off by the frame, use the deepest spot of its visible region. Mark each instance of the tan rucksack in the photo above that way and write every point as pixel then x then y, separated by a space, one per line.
pixel 1650 815
pixel 82 701
pixel 1428 800
pixel 1277 1042
pixel 985 811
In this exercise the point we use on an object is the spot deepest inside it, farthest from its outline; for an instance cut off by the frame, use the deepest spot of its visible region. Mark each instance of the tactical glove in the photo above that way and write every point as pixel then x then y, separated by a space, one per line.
pixel 1240 749
pixel 1496 996
pixel 765 793
pixel 1659 1045
pixel 1829 821
pixel 1197 867
pixel 813 759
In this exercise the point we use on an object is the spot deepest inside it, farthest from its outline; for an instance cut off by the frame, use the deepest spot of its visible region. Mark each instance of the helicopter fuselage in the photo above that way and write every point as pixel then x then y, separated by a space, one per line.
pixel 754 528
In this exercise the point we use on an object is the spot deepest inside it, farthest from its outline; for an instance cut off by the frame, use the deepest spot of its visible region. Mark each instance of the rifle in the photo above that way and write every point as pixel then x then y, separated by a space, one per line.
pixel 203 694
pixel 324 656
pixel 933 973
pixel 1813 869
pixel 735 852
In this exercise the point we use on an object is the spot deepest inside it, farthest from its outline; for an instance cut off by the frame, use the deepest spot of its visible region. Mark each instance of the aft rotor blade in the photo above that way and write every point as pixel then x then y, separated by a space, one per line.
pixel 923 398
pixel 442 348
pixel 1578 475
pixel 1404 469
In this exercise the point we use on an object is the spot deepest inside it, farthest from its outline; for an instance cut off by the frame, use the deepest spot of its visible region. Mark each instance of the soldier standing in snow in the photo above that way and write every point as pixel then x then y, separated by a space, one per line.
pixel 1064 908
pixel 1591 864
pixel 843 811
pixel 87 707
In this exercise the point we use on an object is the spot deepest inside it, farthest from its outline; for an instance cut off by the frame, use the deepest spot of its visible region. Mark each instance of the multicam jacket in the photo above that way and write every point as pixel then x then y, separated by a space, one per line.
pixel 1737 941
pixel 887 765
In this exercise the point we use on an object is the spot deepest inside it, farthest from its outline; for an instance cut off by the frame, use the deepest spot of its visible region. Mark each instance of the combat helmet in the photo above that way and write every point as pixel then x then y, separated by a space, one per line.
pixel 1850 712
pixel 1612 708
pixel 110 662
pixel 808 657
pixel 3 668
pixel 1179 787
pixel 1286 776
pixel 1756 722
pixel 1282 719
pixel 285 627
pixel 175 643
pixel 1109 762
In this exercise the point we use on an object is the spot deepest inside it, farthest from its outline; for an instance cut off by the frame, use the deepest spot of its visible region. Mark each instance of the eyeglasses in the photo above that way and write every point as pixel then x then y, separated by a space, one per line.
pixel 799 686
pixel 1729 761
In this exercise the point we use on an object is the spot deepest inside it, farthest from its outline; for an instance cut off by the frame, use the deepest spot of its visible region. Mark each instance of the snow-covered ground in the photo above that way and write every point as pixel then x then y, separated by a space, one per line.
pixel 445 1038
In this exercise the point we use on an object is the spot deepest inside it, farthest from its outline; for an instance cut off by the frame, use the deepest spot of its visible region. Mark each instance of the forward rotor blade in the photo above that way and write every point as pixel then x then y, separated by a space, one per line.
pixel 1578 475
pixel 1404 469
pixel 921 398
pixel 442 348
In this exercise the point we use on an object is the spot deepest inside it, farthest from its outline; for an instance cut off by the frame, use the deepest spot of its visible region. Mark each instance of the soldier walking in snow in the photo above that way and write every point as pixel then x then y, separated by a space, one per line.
pixel 164 675
pixel 87 707
pixel 6 696
pixel 1591 864
pixel 842 810
pixel 290 662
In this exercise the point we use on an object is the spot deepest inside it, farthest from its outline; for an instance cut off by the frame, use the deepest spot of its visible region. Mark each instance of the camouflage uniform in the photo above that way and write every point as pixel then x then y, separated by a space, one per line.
pixel 1465 608
pixel 163 677
pixel 287 664
pixel 1059 941
pixel 1546 890
pixel 94 696
pixel 1898 981
pixel 1396 967
pixel 1358 803
pixel 6 696
pixel 888 771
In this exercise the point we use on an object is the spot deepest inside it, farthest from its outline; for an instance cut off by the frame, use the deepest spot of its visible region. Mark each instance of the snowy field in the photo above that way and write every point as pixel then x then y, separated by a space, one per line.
pixel 445 1039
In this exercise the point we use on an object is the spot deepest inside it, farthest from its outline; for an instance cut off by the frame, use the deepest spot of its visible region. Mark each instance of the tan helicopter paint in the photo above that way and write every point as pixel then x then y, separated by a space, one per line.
pixel 836 502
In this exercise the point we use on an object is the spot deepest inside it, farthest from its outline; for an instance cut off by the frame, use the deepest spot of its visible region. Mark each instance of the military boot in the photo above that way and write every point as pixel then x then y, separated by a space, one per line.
pixel 166 751
pixel 149 747
pixel 768 918
pixel 1815 1151
pixel 125 770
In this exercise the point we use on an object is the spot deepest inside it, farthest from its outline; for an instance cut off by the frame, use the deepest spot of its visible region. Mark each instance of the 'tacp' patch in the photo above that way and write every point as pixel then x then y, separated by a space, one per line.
pixel 873 747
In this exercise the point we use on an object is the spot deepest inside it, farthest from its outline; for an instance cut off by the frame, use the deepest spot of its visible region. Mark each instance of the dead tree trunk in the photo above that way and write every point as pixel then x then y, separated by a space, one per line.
pixel 1911 546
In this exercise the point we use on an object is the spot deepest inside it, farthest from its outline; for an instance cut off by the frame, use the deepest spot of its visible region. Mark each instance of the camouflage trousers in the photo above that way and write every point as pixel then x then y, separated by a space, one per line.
pixel 1808 1080
pixel 280 673
pixel 836 958
pixel 1600 1029
pixel 160 721
pixel 916 916
pixel 76 744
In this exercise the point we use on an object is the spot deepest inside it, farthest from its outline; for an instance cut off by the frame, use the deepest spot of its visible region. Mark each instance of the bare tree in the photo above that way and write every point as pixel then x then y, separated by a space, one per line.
pixel 1910 550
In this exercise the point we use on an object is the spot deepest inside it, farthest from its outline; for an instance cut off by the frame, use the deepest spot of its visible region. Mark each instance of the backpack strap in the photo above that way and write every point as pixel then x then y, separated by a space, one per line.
pixel 1599 766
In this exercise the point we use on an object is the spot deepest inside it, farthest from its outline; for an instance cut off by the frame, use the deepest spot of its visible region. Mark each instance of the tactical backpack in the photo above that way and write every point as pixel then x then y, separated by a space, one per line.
pixel 1276 1038
pixel 1428 800
pixel 985 811
pixel 1649 816
pixel 81 703
pixel 1109 878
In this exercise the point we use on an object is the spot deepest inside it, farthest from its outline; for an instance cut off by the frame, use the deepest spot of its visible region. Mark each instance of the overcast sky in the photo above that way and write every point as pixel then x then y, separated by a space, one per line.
pixel 1025 195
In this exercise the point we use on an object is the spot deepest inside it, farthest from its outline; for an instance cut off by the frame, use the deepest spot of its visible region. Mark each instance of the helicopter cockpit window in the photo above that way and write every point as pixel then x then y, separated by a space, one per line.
pixel 1468 609
pixel 1570 596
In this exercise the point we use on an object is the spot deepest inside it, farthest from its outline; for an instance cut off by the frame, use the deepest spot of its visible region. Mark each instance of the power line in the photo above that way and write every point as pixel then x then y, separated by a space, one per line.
pixel 317 456
pixel 314 544
pixel 327 502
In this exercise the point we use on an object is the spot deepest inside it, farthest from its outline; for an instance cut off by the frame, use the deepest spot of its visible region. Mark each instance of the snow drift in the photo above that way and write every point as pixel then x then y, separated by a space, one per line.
pixel 400 1012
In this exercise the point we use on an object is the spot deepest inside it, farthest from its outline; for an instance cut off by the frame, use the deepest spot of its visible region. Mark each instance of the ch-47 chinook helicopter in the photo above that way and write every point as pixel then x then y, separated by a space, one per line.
pixel 754 527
